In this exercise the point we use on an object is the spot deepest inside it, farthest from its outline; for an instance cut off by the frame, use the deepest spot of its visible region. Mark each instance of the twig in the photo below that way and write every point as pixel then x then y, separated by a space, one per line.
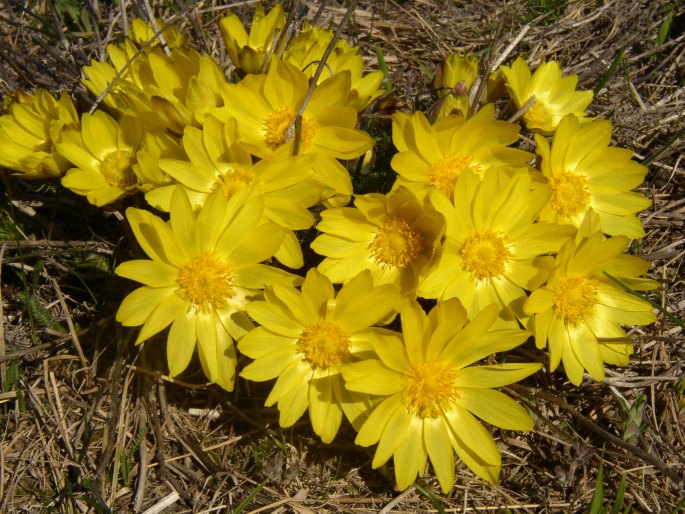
pixel 523 110
pixel 296 127
pixel 72 329
pixel 615 440
pixel 143 47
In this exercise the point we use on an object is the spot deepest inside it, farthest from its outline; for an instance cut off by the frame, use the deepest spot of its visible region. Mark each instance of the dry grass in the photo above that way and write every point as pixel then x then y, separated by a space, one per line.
pixel 90 424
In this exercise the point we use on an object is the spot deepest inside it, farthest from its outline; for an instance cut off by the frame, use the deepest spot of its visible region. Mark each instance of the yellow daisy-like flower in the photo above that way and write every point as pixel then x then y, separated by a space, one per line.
pixel 204 269
pixel 103 153
pixel 491 242
pixel 266 106
pixel 304 339
pixel 432 393
pixel 29 132
pixel 435 156
pixel 579 312
pixel 216 160
pixel 126 61
pixel 555 96
pixel 453 82
pixel 306 50
pixel 160 92
pixel 584 172
pixel 249 52
pixel 392 235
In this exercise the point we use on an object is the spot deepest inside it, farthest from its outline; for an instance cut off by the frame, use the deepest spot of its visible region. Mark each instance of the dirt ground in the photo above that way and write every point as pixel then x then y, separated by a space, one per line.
pixel 89 422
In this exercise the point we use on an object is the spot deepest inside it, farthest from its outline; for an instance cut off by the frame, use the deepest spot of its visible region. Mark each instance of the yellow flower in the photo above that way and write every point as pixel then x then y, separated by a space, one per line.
pixel 159 90
pixel 203 271
pixel 435 156
pixel 392 235
pixel 304 339
pixel 306 49
pixel 432 393
pixel 579 312
pixel 216 160
pixel 126 59
pixel 453 82
pixel 266 106
pixel 249 52
pixel 491 243
pixel 584 172
pixel 103 153
pixel 29 132
pixel 555 96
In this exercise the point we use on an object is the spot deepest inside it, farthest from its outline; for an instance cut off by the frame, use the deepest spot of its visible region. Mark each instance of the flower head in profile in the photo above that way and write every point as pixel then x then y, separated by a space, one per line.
pixel 555 95
pixel 103 153
pixel 578 313
pixel 491 243
pixel 306 50
pixel 126 59
pixel 204 268
pixel 392 235
pixel 435 156
pixel 433 393
pixel 266 107
pixel 305 337
pixel 30 131
pixel 584 172
pixel 249 52
pixel 453 81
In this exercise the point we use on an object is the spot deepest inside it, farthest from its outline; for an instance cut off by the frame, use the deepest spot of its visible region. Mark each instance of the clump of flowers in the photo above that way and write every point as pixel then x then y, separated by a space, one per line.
pixel 476 246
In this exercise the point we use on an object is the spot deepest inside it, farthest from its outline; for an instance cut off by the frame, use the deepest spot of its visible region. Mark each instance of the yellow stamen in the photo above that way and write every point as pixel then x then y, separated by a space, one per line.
pixel 539 116
pixel 574 297
pixel 445 171
pixel 233 181
pixel 570 194
pixel 396 243
pixel 279 128
pixel 428 388
pixel 485 254
pixel 206 281
pixel 117 168
pixel 324 344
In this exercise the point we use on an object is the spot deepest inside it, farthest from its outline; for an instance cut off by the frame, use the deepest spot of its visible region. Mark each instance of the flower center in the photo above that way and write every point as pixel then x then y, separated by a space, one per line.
pixel 206 281
pixel 427 387
pixel 570 194
pixel 540 117
pixel 574 297
pixel 445 171
pixel 117 168
pixel 485 254
pixel 279 128
pixel 325 343
pixel 396 243
pixel 233 181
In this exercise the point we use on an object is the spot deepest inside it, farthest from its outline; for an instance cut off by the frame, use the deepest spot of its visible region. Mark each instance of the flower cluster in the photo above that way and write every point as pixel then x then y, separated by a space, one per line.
pixel 499 244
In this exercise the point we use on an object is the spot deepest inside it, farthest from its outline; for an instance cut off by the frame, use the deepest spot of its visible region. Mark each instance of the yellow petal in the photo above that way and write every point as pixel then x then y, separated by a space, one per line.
pixel 139 304
pixel 165 313
pixel 410 455
pixel 372 377
pixel 439 450
pixel 181 343
pixel 150 273
pixel 496 375
pixel 495 408
pixel 372 429
pixel 324 412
